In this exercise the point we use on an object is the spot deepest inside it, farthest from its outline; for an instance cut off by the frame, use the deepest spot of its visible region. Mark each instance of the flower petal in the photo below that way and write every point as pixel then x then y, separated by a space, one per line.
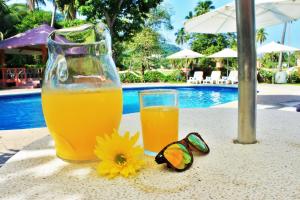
pixel 134 138
pixel 110 146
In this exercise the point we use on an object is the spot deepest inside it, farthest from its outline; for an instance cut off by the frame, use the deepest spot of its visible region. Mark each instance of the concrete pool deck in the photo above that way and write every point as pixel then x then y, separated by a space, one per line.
pixel 269 169
pixel 278 97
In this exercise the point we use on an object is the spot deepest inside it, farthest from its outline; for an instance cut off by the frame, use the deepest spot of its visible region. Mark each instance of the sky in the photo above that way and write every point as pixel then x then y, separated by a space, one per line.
pixel 181 8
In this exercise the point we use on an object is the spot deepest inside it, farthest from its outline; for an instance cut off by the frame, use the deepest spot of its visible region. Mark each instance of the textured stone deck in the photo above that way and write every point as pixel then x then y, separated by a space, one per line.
pixel 269 169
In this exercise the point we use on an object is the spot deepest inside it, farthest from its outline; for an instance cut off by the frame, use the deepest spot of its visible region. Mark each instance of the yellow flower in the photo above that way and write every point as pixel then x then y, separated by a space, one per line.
pixel 118 155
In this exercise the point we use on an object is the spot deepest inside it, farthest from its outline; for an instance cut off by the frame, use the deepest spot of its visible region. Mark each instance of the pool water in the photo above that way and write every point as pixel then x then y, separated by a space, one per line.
pixel 25 111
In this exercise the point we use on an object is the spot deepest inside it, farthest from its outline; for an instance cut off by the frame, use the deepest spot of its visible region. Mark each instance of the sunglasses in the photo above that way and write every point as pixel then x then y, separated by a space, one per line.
pixel 178 155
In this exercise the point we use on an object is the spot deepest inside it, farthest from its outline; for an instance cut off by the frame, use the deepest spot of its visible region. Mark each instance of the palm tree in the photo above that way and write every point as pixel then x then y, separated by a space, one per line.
pixel 190 15
pixel 3 7
pixel 261 35
pixel 32 4
pixel 180 36
pixel 204 7
pixel 68 8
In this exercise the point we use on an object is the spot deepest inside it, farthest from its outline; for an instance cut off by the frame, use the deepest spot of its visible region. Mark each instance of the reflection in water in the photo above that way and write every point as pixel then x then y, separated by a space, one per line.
pixel 215 97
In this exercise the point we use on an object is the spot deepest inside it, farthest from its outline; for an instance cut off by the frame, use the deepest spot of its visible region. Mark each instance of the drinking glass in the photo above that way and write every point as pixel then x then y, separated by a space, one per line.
pixel 159 119
pixel 81 93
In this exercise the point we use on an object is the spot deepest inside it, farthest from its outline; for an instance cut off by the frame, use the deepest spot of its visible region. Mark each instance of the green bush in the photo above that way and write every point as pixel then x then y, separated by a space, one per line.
pixel 266 76
pixel 294 77
pixel 129 77
pixel 33 20
pixel 154 76
pixel 176 76
pixel 71 23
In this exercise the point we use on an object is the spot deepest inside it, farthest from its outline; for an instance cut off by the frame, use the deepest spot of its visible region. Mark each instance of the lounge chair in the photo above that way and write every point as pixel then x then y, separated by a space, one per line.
pixel 197 78
pixel 232 78
pixel 223 80
pixel 214 78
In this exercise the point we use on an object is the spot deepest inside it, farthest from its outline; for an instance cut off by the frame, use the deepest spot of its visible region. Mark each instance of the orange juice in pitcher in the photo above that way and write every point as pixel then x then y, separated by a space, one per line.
pixel 76 118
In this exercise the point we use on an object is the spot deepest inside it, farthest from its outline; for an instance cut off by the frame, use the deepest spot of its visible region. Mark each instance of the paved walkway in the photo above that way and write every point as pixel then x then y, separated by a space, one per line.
pixel 278 97
pixel 12 141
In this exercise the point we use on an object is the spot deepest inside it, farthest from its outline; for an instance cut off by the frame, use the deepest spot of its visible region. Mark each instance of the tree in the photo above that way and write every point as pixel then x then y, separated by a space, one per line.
pixel 261 35
pixel 68 8
pixel 10 18
pixel 32 4
pixel 33 20
pixel 190 15
pixel 203 7
pixel 124 18
pixel 144 45
pixel 158 18
pixel 210 43
pixel 181 36
pixel 3 7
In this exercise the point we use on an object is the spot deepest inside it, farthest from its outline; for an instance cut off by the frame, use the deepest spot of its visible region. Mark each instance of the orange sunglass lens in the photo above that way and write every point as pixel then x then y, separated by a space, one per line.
pixel 178 155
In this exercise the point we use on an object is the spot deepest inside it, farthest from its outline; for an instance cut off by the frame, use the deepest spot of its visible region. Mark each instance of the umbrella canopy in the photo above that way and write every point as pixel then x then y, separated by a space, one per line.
pixel 186 53
pixel 273 47
pixel 29 42
pixel 223 19
pixel 225 53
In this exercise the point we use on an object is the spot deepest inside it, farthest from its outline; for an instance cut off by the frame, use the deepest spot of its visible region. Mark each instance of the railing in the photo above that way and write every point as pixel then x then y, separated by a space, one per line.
pixel 13 75
pixel 34 73
pixel 19 76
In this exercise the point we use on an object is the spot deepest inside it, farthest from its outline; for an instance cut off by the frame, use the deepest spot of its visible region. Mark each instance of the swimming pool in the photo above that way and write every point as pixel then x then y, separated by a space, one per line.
pixel 25 111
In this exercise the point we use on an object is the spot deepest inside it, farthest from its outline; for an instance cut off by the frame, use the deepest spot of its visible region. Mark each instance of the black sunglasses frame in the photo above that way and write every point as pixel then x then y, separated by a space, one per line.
pixel 160 158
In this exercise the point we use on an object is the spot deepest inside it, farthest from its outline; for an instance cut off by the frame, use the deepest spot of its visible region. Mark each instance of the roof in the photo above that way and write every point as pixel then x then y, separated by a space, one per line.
pixel 33 37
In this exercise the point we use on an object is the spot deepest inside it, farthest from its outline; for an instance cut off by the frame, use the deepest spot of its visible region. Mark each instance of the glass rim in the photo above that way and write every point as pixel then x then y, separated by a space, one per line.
pixel 72 29
pixel 157 91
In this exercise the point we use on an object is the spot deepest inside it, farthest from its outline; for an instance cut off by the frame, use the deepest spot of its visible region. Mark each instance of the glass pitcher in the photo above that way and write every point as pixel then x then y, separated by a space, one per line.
pixel 81 92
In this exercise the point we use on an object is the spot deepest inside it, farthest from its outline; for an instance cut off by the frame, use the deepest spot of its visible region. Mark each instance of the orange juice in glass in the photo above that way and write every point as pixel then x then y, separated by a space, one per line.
pixel 159 119
pixel 81 93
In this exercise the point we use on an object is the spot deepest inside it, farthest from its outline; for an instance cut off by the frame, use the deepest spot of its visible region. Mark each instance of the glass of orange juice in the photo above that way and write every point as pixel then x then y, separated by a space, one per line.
pixel 81 93
pixel 159 119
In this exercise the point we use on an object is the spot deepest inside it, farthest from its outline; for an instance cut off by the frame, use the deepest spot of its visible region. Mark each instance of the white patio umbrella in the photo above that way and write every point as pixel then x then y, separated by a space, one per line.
pixel 185 53
pixel 274 47
pixel 225 53
pixel 223 19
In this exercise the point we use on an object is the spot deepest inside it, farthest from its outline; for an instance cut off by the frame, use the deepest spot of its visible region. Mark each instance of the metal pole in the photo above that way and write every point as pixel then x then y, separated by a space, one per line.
pixel 227 66
pixel 245 16
pixel 282 42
